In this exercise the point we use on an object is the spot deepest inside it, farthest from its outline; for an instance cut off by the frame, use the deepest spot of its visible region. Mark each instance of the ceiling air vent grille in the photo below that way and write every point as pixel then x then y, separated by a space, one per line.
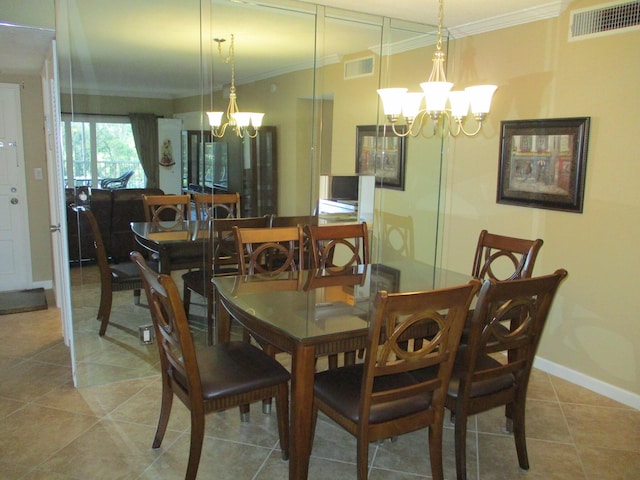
pixel 607 19
pixel 361 67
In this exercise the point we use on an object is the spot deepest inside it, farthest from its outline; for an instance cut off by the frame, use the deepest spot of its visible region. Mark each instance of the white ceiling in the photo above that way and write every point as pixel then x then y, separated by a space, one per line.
pixel 149 52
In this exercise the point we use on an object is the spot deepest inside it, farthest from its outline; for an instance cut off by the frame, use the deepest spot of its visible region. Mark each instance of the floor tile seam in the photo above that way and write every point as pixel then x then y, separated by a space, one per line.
pixel 110 418
pixel 235 442
pixel 125 380
pixel 264 462
pixel 528 438
pixel 33 359
pixel 390 470
pixel 608 449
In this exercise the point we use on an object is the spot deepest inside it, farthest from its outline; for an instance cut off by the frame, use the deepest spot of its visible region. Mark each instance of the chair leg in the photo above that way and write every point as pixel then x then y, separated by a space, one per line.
pixel 282 410
pixel 519 434
pixel 461 444
pixel 245 412
pixel 136 296
pixel 104 311
pixel 435 450
pixel 362 458
pixel 165 412
pixel 195 449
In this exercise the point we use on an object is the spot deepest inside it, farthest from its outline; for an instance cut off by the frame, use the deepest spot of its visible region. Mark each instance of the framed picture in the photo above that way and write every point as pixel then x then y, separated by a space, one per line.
pixel 381 153
pixel 385 278
pixel 543 163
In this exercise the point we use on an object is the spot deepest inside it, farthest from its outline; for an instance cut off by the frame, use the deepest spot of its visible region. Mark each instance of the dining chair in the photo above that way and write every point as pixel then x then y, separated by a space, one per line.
pixel 117 182
pixel 221 259
pixel 339 245
pixel 113 278
pixel 207 379
pixel 500 257
pixel 176 208
pixel 257 248
pixel 493 369
pixel 380 398
pixel 211 206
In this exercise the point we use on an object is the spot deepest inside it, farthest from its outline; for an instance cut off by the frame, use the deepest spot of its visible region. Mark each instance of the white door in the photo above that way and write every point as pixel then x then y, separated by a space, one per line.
pixel 15 250
pixel 61 277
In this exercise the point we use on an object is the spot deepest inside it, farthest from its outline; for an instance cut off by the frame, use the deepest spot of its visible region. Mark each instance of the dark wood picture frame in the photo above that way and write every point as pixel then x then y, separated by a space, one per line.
pixel 385 278
pixel 381 153
pixel 543 163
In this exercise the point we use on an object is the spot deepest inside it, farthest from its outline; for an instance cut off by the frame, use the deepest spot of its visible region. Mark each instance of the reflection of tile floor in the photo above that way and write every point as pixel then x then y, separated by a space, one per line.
pixel 49 430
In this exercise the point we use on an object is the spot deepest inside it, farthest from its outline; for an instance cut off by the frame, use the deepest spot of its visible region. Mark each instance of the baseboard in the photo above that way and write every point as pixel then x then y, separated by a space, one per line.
pixel 46 284
pixel 623 396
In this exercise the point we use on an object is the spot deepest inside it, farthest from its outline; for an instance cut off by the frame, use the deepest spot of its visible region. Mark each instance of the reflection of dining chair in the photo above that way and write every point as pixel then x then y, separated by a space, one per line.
pixel 295 220
pixel 381 398
pixel 113 278
pixel 257 248
pixel 221 259
pixel 509 318
pixel 499 257
pixel 211 206
pixel 118 182
pixel 339 245
pixel 334 277
pixel 207 379
pixel 159 208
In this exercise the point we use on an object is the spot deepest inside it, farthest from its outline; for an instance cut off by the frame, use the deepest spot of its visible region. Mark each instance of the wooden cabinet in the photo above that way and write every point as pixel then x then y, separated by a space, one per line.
pixel 251 166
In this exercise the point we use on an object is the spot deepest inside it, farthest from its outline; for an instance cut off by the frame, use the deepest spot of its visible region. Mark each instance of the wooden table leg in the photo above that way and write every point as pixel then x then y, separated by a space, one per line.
pixel 223 319
pixel 302 372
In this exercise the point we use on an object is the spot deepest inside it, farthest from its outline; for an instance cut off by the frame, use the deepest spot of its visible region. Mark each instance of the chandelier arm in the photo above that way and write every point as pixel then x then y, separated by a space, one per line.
pixel 469 134
pixel 400 134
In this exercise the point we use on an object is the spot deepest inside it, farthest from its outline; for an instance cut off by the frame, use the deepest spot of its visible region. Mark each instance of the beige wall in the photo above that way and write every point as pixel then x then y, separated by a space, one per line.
pixel 593 329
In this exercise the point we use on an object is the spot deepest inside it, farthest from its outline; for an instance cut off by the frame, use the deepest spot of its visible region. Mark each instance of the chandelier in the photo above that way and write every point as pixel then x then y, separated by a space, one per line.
pixel 398 102
pixel 241 122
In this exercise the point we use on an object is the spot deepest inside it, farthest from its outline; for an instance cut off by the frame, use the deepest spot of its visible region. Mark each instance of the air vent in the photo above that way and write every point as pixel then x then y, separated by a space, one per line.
pixel 618 17
pixel 361 67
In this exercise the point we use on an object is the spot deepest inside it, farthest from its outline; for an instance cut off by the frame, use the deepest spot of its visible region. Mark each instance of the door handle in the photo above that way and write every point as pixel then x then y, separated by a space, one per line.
pixel 54 228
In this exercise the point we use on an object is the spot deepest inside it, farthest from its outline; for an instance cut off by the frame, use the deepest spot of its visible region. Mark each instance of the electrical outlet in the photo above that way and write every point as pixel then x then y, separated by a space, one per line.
pixel 37 173
pixel 146 334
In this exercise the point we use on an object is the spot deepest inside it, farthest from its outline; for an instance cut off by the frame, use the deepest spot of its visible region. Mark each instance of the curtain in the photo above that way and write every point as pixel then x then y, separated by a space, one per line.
pixel 145 135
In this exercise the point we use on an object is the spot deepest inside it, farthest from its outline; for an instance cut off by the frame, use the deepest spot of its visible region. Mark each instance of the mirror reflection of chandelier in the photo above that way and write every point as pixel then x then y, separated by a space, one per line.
pixel 399 102
pixel 241 122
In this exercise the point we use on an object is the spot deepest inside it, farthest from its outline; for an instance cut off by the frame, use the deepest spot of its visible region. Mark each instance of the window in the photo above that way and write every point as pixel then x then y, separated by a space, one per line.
pixel 96 147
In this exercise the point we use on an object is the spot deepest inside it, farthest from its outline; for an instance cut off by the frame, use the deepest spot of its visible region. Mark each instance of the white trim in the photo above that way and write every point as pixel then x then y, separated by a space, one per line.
pixel 611 391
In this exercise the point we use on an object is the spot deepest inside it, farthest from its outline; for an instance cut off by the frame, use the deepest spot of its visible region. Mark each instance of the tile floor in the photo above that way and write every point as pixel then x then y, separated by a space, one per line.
pixel 50 430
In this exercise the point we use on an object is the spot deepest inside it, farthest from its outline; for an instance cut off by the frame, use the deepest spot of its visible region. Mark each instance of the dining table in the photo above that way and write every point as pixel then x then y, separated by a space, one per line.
pixel 314 313
pixel 177 244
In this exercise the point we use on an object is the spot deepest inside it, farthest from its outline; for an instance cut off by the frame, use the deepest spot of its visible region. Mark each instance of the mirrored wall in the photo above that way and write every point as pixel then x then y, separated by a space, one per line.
pixel 312 70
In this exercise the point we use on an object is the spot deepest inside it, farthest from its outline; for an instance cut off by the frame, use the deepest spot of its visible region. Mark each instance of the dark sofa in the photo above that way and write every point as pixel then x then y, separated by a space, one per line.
pixel 114 211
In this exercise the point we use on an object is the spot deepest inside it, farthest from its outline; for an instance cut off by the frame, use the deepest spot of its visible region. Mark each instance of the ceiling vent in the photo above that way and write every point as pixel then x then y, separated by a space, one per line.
pixel 617 17
pixel 361 67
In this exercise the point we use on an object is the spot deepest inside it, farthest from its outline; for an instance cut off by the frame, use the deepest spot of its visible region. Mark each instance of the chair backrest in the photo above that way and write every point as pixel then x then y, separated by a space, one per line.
pixel 336 277
pixel 329 241
pixel 269 249
pixel 504 258
pixel 225 254
pixel 438 316
pixel 211 206
pixel 117 183
pixel 175 344
pixel 101 252
pixel 508 318
pixel 159 208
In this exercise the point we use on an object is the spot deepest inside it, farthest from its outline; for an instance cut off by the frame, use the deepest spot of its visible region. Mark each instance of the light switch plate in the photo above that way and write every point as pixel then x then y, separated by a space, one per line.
pixel 146 334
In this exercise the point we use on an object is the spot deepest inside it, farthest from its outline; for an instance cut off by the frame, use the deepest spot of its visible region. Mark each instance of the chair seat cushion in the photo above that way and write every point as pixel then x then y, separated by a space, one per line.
pixel 482 387
pixel 128 271
pixel 195 280
pixel 340 389
pixel 235 368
